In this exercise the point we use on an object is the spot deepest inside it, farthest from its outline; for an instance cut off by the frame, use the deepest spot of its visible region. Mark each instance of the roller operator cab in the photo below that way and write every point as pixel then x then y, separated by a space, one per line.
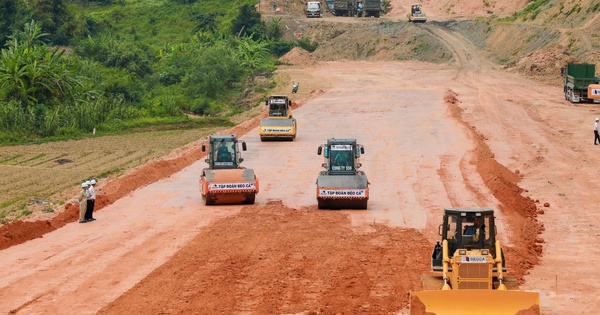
pixel 468 271
pixel 224 181
pixel 280 125
pixel 342 185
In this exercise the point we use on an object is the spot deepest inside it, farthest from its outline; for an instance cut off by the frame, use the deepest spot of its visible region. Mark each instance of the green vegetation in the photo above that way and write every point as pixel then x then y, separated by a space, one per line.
pixel 33 158
pixel 118 65
pixel 529 12
pixel 11 158
pixel 11 202
pixel 575 9
pixel 109 172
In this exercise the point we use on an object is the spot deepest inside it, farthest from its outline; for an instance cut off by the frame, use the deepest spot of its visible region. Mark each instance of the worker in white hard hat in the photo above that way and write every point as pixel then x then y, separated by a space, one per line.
pixel 596 137
pixel 83 202
pixel 91 199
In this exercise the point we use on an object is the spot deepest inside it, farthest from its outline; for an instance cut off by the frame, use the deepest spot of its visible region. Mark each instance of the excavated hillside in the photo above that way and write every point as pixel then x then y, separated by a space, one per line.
pixel 532 38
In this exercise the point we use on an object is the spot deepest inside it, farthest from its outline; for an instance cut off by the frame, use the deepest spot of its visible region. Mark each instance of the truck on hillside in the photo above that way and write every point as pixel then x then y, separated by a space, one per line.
pixel 344 7
pixel 329 4
pixel 581 83
pixel 371 8
pixel 313 9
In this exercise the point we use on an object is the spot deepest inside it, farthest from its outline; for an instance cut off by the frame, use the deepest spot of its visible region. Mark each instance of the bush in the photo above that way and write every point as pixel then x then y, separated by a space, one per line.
pixel 281 47
pixel 68 132
pixel 307 45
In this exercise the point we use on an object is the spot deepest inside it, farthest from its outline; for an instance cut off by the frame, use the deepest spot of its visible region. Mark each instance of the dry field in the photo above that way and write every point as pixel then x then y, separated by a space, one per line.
pixel 34 178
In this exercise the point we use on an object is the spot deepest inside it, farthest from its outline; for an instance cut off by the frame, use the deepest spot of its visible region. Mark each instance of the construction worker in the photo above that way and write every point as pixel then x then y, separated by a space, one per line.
pixel 83 202
pixel 223 154
pixel 342 158
pixel 91 199
pixel 596 137
pixel 471 229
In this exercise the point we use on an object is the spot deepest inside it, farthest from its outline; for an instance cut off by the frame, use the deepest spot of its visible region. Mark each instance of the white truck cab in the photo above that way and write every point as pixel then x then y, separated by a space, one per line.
pixel 313 9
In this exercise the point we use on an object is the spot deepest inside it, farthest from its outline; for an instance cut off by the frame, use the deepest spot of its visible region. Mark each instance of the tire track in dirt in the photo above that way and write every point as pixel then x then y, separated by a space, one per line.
pixel 525 252
pixel 521 211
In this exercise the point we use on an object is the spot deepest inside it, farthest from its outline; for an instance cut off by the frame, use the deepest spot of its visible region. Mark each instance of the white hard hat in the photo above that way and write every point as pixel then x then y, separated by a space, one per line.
pixel 83 185
pixel 88 183
pixel 93 182
pixel 597 119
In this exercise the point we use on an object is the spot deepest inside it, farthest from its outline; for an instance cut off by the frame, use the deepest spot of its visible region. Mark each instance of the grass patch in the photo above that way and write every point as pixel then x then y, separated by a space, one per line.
pixel 504 61
pixel 110 172
pixel 33 158
pixel 121 127
pixel 531 8
pixel 11 158
pixel 163 123
pixel 11 202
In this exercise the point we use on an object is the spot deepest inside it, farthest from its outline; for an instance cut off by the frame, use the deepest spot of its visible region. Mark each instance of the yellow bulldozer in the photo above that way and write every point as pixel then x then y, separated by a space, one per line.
pixel 280 125
pixel 342 185
pixel 468 271
pixel 225 181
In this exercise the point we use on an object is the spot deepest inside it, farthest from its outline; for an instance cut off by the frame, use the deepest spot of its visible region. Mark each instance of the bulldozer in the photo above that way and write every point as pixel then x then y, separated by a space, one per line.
pixel 342 185
pixel 416 15
pixel 280 125
pixel 468 271
pixel 224 181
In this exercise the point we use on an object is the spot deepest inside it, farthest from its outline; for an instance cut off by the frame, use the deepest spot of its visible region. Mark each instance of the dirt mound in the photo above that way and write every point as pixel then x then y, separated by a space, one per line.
pixel 299 57
pixel 503 183
pixel 544 62
pixel 323 267
pixel 316 93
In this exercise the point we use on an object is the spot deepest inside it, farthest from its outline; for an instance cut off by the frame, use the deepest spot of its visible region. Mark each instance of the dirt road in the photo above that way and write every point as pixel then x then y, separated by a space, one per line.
pixel 159 250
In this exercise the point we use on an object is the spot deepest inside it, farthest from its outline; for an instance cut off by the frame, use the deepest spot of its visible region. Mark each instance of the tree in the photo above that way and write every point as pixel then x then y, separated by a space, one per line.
pixel 13 13
pixel 248 23
pixel 206 22
pixel 30 73
pixel 57 19
pixel 253 53
pixel 273 28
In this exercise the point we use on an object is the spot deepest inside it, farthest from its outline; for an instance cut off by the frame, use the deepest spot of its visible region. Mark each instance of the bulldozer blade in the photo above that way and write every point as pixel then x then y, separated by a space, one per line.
pixel 466 302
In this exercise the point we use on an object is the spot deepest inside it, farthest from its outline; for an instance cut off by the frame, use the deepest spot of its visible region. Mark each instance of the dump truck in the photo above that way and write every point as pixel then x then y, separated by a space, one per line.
pixel 416 15
pixel 329 4
pixel 371 8
pixel 280 125
pixel 224 181
pixel 468 271
pixel 344 7
pixel 581 83
pixel 342 185
pixel 313 9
